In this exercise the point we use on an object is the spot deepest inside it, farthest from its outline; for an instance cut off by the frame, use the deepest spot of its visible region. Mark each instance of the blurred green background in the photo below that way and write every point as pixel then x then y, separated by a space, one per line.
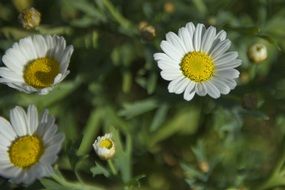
pixel 162 141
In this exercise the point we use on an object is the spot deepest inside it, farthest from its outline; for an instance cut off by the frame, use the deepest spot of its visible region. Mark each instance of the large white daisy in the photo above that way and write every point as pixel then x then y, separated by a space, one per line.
pixel 197 61
pixel 28 145
pixel 36 63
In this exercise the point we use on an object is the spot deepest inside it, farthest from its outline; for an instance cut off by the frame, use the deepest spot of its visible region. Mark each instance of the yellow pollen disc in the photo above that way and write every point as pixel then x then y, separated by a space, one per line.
pixel 26 151
pixel 106 143
pixel 197 66
pixel 41 72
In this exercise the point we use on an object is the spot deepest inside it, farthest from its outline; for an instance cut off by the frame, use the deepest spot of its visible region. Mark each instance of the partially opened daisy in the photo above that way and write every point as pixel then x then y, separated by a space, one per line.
pixel 28 145
pixel 198 61
pixel 36 63
pixel 104 146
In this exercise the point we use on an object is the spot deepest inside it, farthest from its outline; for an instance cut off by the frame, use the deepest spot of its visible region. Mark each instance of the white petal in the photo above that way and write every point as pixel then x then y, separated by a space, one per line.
pixel 221 85
pixel 167 75
pixel 200 89
pixel 176 42
pixel 227 57
pixel 40 45
pixel 4 141
pixel 164 57
pixel 189 91
pixel 9 171
pixel 224 62
pixel 32 119
pixel 27 49
pixel 10 75
pixel 171 51
pixel 186 37
pixel 46 123
pixel 208 39
pixel 6 129
pixel 50 154
pixel 178 85
pixel 172 84
pixel 212 90
pixel 18 119
pixel 14 60
pixel 56 139
pixel 197 38
pixel 50 132
pixel 222 35
pixel 229 74
pixel 191 29
pixel 220 48
pixel 164 65
pixel 65 59
pixel 228 65
pixel 231 83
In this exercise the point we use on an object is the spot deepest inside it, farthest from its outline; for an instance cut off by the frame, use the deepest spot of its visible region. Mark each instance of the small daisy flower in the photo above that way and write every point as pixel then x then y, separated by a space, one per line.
pixel 197 61
pixel 104 146
pixel 36 63
pixel 28 145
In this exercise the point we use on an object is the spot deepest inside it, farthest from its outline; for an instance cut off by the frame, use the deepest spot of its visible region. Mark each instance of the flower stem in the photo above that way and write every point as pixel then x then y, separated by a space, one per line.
pixel 112 167
pixel 118 17
pixel 58 177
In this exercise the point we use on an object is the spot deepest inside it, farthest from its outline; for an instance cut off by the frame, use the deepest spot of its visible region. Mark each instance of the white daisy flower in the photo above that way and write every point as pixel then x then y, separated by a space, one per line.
pixel 104 146
pixel 197 61
pixel 36 63
pixel 28 145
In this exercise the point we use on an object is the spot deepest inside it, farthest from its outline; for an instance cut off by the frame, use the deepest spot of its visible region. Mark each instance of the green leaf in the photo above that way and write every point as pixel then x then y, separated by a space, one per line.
pixel 123 154
pixel 159 117
pixel 185 121
pixel 131 110
pixel 90 131
pixel 51 185
pixel 58 93
pixel 89 40
pixel 98 169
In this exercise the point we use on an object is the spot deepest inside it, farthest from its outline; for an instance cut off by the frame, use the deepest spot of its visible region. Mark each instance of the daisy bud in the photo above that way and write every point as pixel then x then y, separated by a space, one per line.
pixel 147 31
pixel 169 7
pixel 257 52
pixel 104 146
pixel 22 4
pixel 30 18
pixel 204 166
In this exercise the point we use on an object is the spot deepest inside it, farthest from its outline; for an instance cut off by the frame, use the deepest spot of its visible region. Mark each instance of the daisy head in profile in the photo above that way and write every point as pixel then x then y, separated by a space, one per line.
pixel 29 145
pixel 104 146
pixel 36 63
pixel 198 61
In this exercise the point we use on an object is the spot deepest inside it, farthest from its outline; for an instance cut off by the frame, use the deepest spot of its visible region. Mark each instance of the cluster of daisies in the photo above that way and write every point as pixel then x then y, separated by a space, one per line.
pixel 196 61
pixel 29 143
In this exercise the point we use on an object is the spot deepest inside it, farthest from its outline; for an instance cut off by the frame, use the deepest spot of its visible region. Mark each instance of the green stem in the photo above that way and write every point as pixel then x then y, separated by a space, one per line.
pixel 58 177
pixel 116 14
pixel 112 167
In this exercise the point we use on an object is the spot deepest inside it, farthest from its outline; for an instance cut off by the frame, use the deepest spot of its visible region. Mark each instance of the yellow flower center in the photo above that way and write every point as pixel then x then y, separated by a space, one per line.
pixel 106 143
pixel 197 66
pixel 41 72
pixel 26 151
